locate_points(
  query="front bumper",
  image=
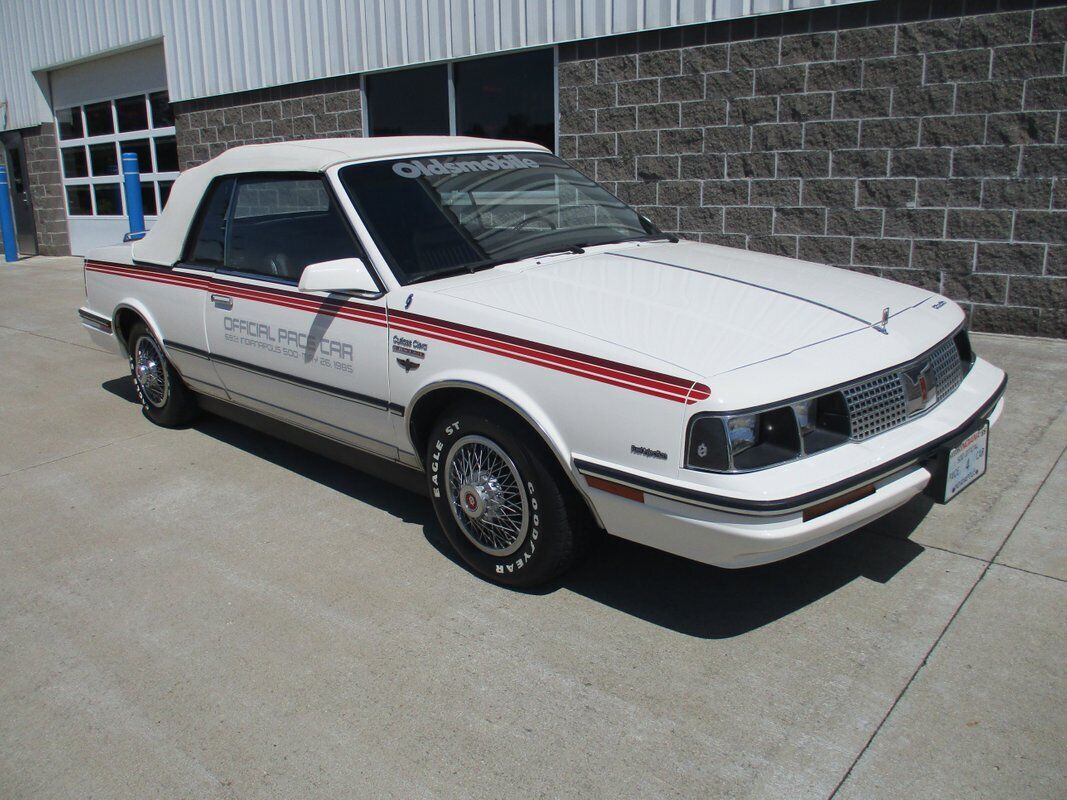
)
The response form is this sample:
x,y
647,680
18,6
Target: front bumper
x,y
739,530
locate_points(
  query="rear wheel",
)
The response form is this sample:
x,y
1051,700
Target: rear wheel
x,y
165,399
505,508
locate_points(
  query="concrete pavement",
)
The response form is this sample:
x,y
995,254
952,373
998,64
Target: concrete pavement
x,y
213,613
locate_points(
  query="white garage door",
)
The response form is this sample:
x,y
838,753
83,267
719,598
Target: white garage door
x,y
105,108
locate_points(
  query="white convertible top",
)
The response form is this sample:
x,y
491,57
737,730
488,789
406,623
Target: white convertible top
x,y
163,244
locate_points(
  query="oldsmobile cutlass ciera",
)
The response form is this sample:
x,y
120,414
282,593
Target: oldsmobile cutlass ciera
x,y
482,312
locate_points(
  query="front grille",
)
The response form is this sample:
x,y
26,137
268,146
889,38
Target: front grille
x,y
879,403
948,369
875,405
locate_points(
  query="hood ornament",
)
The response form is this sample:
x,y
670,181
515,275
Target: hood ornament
x,y
881,326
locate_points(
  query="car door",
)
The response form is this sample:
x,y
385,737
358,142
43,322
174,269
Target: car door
x,y
314,359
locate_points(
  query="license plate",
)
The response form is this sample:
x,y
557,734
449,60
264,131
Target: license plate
x,y
966,462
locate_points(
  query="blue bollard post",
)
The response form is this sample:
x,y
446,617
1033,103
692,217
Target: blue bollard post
x,y
7,222
131,177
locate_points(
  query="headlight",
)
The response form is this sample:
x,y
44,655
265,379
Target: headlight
x,y
749,441
742,432
708,447
805,411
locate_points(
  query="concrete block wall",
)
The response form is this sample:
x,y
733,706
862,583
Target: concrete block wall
x,y
311,110
46,191
922,141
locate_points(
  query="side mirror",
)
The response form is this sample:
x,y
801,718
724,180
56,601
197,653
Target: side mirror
x,y
342,275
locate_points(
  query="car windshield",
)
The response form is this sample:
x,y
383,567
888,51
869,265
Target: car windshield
x,y
438,216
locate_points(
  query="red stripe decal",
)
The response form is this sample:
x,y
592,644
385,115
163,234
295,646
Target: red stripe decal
x,y
538,355
570,362
657,376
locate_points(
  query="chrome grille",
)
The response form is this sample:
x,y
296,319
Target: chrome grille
x,y
948,369
875,405
878,404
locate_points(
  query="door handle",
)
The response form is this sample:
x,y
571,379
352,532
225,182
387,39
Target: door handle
x,y
222,301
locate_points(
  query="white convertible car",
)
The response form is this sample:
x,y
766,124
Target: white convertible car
x,y
482,312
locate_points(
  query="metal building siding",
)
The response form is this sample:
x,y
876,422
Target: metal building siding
x,y
222,46
41,34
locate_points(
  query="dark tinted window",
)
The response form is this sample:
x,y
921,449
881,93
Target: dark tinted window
x,y
14,170
98,119
132,113
166,154
108,199
143,151
506,97
280,225
75,165
408,102
434,215
148,199
209,243
104,159
70,123
162,116
79,201
164,192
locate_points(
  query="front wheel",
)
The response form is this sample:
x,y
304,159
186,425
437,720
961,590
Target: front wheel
x,y
506,509
165,399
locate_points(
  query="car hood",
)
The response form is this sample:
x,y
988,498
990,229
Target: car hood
x,y
705,308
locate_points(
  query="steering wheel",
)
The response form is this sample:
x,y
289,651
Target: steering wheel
x,y
527,220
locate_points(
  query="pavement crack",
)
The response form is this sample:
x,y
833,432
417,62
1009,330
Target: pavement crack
x,y
932,547
72,455
54,339
975,558
1002,565
944,630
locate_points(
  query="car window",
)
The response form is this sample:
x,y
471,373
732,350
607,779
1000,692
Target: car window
x,y
432,216
279,225
264,197
208,246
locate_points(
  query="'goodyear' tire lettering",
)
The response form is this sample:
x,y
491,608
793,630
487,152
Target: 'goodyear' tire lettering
x,y
546,544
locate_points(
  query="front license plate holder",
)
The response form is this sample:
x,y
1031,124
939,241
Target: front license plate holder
x,y
959,463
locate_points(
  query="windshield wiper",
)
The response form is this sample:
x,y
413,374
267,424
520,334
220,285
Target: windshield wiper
x,y
577,249
654,232
478,266
472,267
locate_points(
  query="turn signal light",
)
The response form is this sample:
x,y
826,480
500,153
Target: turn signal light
x,y
615,488
834,503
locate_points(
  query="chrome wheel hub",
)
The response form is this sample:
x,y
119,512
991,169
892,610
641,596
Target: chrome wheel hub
x,y
149,372
486,495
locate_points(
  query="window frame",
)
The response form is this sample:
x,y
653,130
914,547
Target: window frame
x,y
403,282
452,90
449,107
193,234
150,176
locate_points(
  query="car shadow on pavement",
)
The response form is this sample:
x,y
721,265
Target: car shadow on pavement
x,y
713,603
122,387
666,590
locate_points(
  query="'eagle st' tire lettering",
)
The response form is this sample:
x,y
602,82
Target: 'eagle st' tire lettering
x,y
501,502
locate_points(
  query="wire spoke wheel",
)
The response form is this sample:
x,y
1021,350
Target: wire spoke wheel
x,y
149,372
487,496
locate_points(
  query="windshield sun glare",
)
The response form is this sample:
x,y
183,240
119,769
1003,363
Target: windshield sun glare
x,y
440,215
